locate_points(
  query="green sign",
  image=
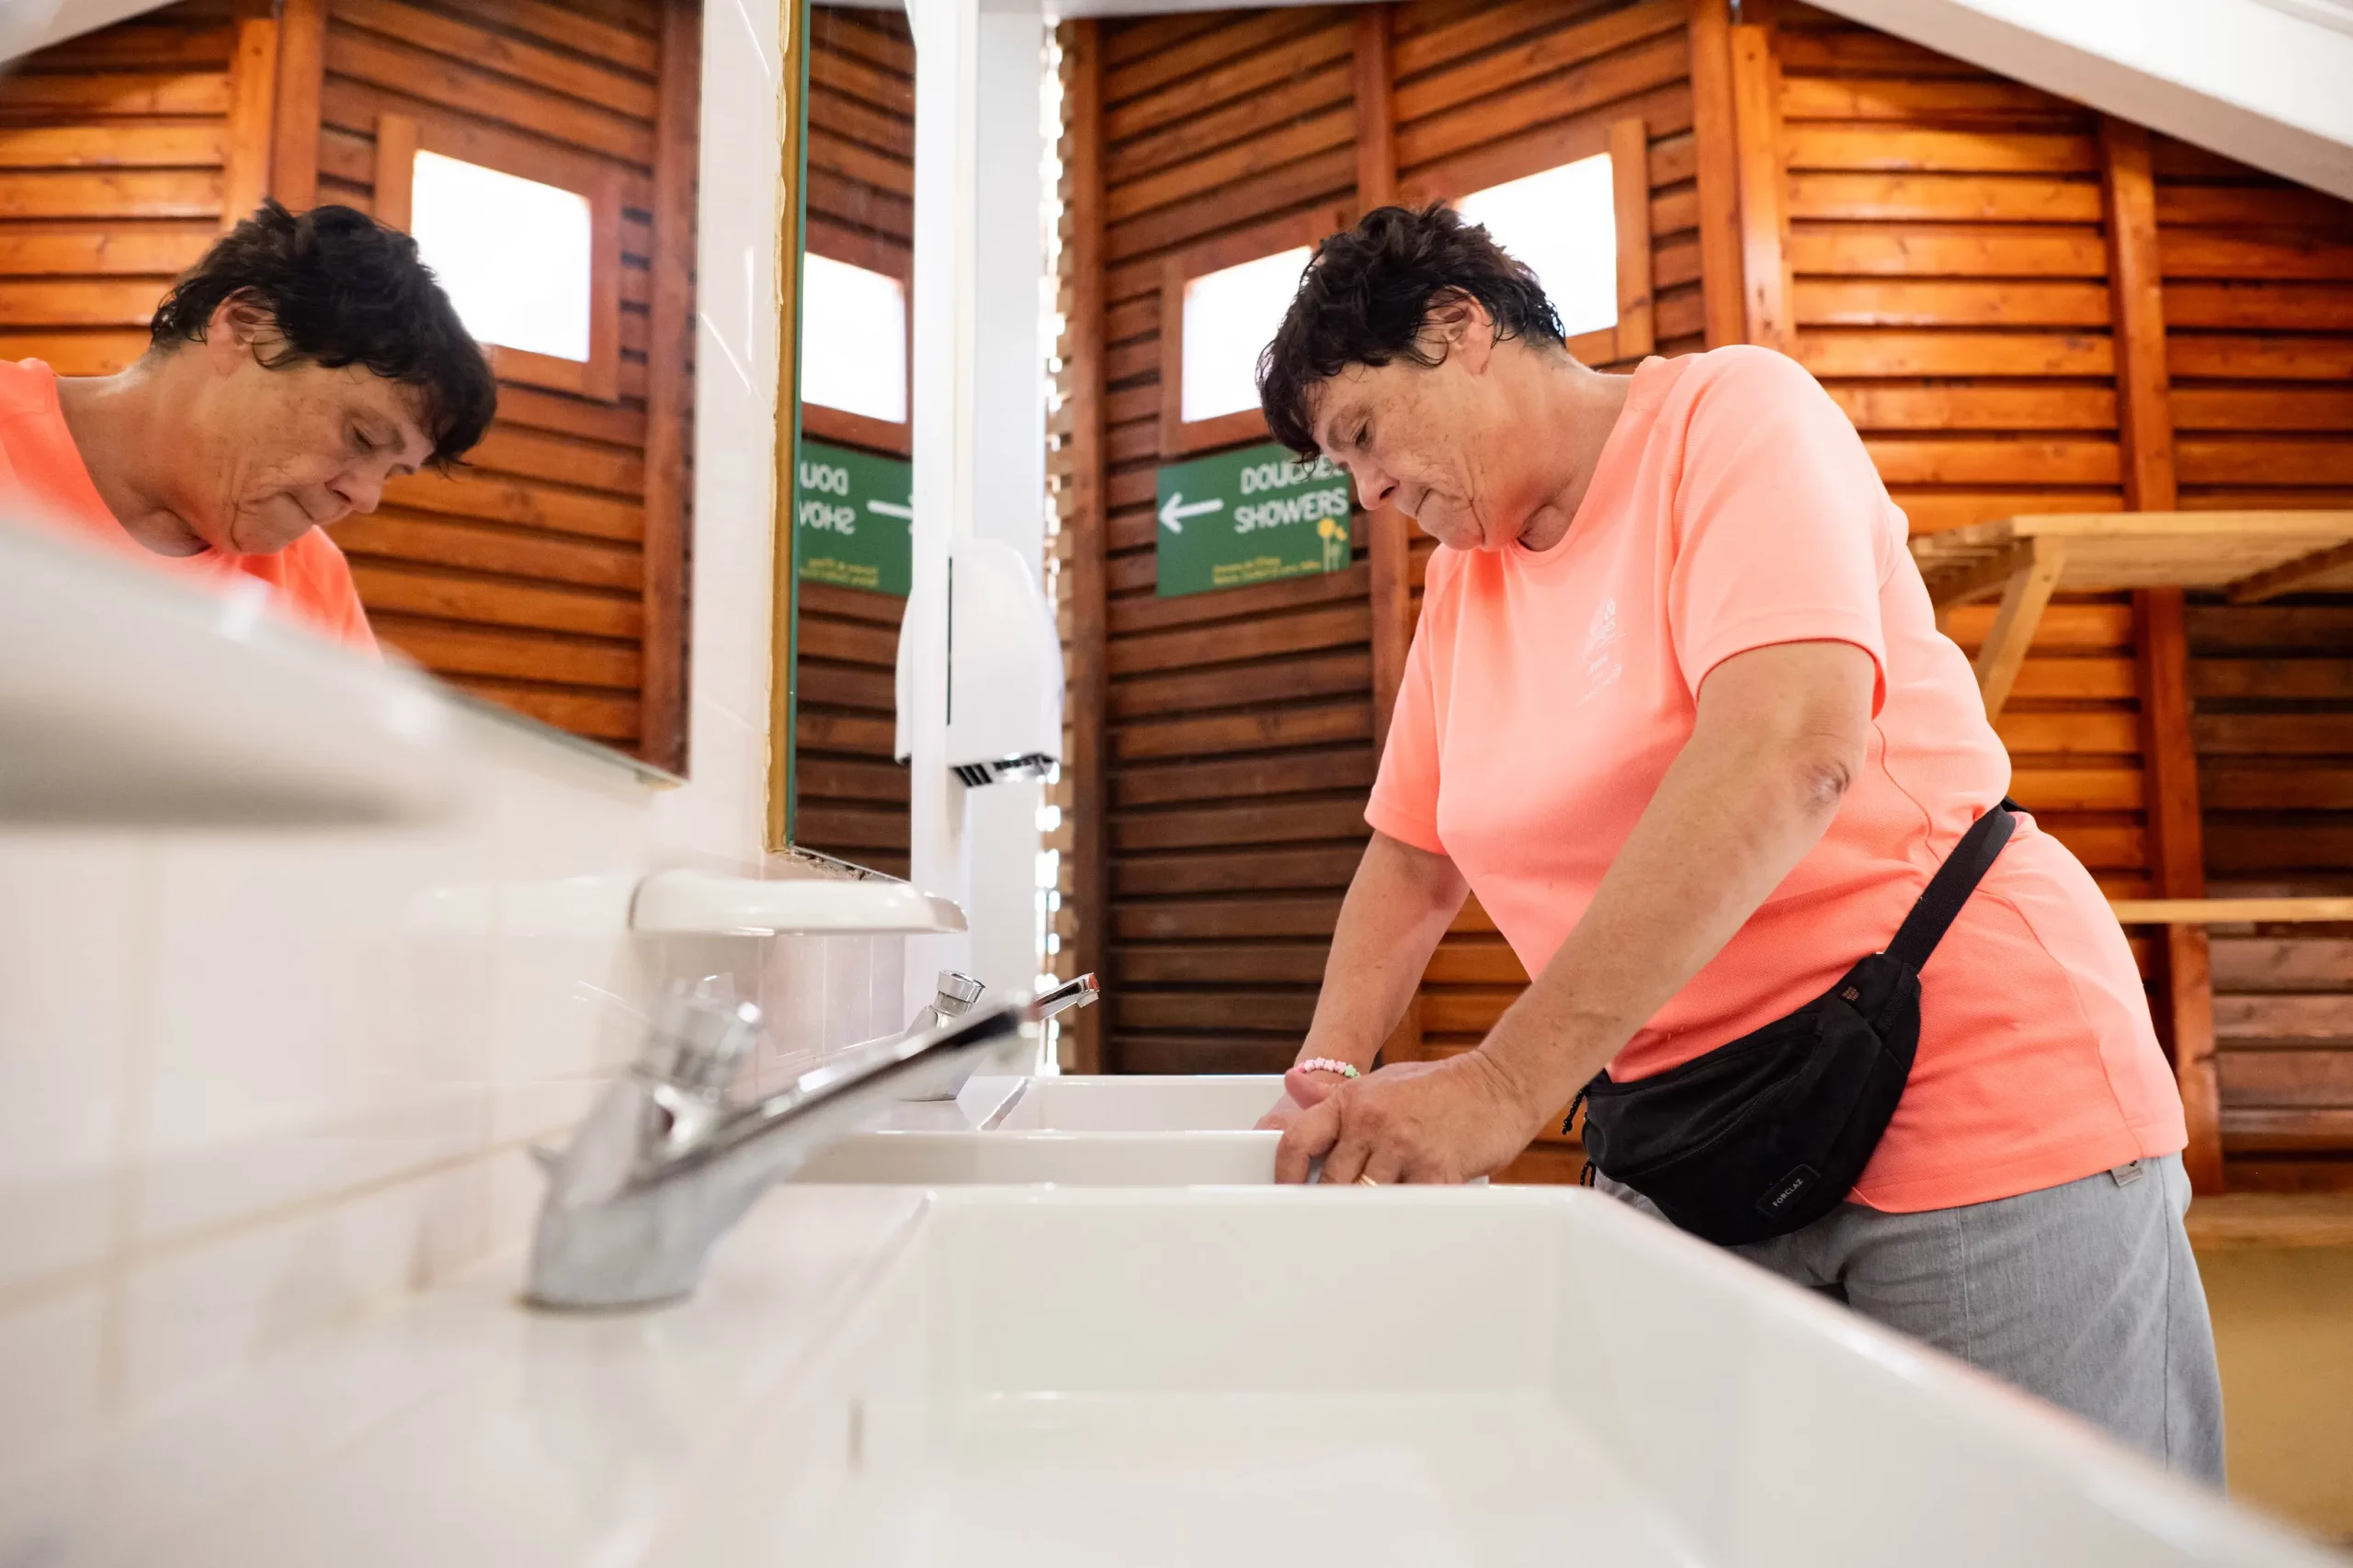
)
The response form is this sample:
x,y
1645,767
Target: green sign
x,y
853,519
1256,515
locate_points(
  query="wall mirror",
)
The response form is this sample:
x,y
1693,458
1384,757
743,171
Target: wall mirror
x,y
544,158
849,565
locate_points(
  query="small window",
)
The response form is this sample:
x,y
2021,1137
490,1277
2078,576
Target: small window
x,y
1230,316
853,339
514,255
526,240
1563,224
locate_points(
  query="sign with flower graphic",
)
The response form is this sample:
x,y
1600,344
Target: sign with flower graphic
x,y
1256,514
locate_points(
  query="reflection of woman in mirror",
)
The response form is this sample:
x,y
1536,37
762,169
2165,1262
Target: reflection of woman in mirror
x,y
300,366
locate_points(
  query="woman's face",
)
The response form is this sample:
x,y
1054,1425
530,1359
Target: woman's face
x,y
277,452
1437,442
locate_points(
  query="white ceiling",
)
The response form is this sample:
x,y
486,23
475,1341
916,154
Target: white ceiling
x,y
28,25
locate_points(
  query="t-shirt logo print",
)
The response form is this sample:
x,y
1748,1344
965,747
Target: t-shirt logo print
x,y
1604,660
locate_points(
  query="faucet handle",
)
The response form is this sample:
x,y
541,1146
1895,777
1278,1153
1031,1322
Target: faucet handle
x,y
957,994
698,1041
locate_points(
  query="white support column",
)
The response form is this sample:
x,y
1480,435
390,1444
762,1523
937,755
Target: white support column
x,y
946,38
1009,467
978,439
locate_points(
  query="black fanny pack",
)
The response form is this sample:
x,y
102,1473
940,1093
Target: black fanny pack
x,y
1769,1133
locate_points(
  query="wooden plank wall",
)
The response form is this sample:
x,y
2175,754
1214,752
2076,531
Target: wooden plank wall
x,y
851,797
2258,303
1238,725
1936,243
550,578
113,155
524,581
1950,288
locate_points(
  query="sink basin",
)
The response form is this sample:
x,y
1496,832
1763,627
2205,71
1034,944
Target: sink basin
x,y
1120,1104
1426,1377
1086,1131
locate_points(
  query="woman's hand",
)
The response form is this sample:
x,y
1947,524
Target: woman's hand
x,y
1418,1121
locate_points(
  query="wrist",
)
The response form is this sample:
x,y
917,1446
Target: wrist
x,y
1327,1065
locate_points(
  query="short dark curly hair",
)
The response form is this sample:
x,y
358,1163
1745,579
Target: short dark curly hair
x,y
344,289
1366,293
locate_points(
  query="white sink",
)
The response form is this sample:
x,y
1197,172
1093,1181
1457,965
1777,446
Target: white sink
x,y
1086,1131
1120,1104
1426,1377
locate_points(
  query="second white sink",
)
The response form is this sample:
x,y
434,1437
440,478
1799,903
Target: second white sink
x,y
1078,1131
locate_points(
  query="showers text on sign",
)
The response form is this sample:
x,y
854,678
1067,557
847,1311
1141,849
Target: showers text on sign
x,y
818,513
1304,508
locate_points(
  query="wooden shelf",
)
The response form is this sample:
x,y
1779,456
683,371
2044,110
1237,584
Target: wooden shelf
x,y
2248,556
2272,1220
2220,911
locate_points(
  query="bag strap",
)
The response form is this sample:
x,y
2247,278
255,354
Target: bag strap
x,y
1950,887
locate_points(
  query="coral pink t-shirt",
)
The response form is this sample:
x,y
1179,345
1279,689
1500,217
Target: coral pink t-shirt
x,y
1734,508
44,481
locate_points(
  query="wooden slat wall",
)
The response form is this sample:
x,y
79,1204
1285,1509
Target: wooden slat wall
x,y
851,797
1237,725
113,149
522,581
1949,267
2258,303
124,152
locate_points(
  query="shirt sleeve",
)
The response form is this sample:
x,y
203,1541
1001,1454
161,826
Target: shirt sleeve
x,y
1783,532
1404,793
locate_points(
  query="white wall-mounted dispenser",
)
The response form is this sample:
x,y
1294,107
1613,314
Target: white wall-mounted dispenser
x,y
1005,668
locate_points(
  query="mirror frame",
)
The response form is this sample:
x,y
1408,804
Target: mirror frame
x,y
793,213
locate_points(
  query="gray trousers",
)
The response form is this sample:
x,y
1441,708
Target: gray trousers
x,y
2086,1294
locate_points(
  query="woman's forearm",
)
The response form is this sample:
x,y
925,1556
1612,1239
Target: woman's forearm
x,y
1399,903
1741,805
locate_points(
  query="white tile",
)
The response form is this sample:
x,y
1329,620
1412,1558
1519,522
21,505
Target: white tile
x,y
50,1366
304,1041
74,982
201,1313
721,815
568,1007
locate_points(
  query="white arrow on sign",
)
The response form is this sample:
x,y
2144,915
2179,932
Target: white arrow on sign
x,y
1173,516
892,509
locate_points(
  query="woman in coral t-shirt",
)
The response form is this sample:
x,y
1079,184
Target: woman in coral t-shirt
x,y
290,374
1677,711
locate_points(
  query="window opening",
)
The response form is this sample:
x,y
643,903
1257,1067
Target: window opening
x,y
1563,224
514,255
853,339
1230,317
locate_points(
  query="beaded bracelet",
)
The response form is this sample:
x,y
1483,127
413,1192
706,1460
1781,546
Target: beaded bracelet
x,y
1325,1064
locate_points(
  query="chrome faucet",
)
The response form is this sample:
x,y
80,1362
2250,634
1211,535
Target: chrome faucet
x,y
956,994
666,1162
